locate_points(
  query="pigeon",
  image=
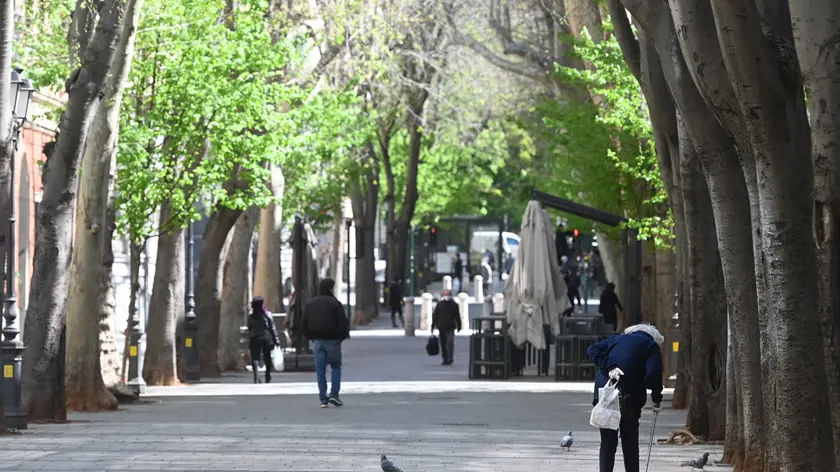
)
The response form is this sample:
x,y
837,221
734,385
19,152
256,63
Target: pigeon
x,y
567,441
388,466
698,463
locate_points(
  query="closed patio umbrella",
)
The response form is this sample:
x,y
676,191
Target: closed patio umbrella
x,y
535,293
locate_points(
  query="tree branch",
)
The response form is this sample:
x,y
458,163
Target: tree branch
x,y
520,68
625,37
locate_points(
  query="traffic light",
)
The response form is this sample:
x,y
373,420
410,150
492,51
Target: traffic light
x,y
576,232
433,236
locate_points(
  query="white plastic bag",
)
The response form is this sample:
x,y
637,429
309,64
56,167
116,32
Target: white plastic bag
x,y
607,413
277,360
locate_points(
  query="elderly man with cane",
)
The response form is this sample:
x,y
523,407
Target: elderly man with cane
x,y
633,362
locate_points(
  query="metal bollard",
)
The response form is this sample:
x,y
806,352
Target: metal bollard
x,y
193,372
135,378
478,287
426,312
11,350
409,316
447,282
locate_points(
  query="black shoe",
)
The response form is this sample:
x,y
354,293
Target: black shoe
x,y
335,401
443,363
268,381
325,405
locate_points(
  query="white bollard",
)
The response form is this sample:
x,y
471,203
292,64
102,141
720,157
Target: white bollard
x,y
409,316
499,303
478,287
488,306
464,308
447,282
499,307
426,312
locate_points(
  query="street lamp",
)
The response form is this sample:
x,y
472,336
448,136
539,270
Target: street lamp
x,y
348,224
193,373
12,347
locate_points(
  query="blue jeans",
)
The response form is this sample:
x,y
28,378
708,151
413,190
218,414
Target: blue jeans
x,y
327,352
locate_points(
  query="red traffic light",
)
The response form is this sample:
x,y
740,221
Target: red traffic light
x,y
434,230
576,232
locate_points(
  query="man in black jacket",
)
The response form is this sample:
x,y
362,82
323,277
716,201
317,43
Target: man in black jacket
x,y
447,319
326,324
396,301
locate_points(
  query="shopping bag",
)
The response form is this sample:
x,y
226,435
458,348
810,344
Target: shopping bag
x,y
433,346
277,360
607,413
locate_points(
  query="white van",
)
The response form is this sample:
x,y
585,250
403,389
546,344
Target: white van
x,y
481,241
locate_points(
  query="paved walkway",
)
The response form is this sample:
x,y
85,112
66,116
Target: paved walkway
x,y
424,416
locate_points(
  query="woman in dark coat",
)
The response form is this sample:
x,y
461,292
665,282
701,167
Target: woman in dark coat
x,y
262,337
609,306
635,361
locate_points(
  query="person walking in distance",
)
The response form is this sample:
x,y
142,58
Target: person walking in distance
x,y
262,337
634,360
446,318
395,299
457,273
325,323
609,306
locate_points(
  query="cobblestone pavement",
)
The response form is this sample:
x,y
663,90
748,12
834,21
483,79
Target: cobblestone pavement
x,y
429,424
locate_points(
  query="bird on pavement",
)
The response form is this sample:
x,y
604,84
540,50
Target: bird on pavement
x,y
388,466
567,441
698,463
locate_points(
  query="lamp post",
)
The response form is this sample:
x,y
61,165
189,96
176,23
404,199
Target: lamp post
x,y
135,378
193,373
11,346
349,225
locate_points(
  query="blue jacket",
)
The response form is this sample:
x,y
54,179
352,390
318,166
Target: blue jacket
x,y
638,356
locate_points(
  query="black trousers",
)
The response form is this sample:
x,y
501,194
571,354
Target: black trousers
x,y
397,310
447,344
629,428
260,348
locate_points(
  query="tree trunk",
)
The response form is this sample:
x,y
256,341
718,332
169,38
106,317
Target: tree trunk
x,y
649,294
815,27
208,287
665,276
165,306
641,55
43,389
733,448
366,308
399,227
730,200
87,299
707,409
268,280
771,96
235,293
110,355
364,214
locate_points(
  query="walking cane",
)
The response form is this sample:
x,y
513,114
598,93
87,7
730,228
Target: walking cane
x,y
650,443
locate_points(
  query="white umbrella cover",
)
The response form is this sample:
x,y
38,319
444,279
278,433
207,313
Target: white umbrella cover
x,y
533,291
